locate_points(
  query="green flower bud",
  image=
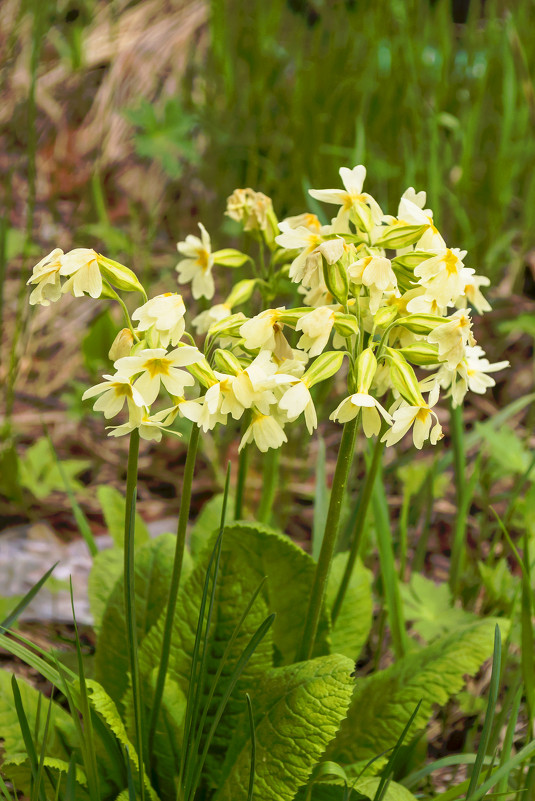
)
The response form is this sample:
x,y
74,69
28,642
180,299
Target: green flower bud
x,y
228,257
421,353
384,316
203,373
226,362
345,324
122,344
228,326
411,260
337,280
118,275
366,369
403,378
323,367
421,323
400,236
241,292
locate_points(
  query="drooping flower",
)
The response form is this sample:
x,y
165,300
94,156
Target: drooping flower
x,y
296,400
46,275
197,267
151,427
265,430
163,316
452,337
81,265
316,327
420,418
368,405
444,276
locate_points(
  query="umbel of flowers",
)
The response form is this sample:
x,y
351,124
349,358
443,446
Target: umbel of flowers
x,y
382,298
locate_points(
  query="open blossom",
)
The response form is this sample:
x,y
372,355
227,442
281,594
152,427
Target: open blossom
x,y
473,294
452,337
472,373
159,367
46,275
197,267
265,430
114,391
265,331
297,400
420,418
163,315
444,275
368,405
410,211
376,273
316,327
206,411
308,263
356,205
82,266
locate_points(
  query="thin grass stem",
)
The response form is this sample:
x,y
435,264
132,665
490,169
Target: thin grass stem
x,y
270,476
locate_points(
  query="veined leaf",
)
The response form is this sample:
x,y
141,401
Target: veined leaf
x,y
334,790
112,503
18,770
430,607
154,563
106,569
297,710
354,621
384,701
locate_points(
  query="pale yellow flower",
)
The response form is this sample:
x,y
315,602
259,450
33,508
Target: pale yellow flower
x,y
163,316
151,427
159,367
113,394
82,266
46,274
316,327
368,405
452,337
197,267
265,431
356,205
420,418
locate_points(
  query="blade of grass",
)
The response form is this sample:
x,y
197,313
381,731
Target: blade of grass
x,y
70,782
509,737
26,736
250,790
28,598
393,759
489,715
270,480
41,766
321,499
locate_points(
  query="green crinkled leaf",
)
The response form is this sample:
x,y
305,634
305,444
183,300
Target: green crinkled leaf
x,y
298,710
206,525
107,710
354,621
334,790
106,570
18,770
61,739
112,503
384,702
430,607
153,567
237,582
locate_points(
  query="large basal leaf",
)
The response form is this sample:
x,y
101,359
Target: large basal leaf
x,y
106,570
384,702
153,567
237,582
298,710
206,524
354,620
105,707
430,608
61,739
113,503
360,790
18,770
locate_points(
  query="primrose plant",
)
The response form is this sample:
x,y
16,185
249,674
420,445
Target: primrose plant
x,y
382,303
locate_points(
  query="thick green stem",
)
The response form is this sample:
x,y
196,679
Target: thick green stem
x,y
360,520
240,483
130,597
459,464
270,477
183,518
343,465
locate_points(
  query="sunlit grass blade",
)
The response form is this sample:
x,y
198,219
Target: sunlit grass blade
x,y
6,794
250,789
27,737
509,737
393,759
41,766
414,779
321,499
489,715
28,598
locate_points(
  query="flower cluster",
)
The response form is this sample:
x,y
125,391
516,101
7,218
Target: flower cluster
x,y
386,291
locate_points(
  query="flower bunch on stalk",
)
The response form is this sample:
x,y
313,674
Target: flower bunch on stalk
x,y
383,294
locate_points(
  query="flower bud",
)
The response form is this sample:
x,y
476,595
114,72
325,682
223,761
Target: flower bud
x,y
384,316
366,369
345,324
228,326
400,236
421,353
204,374
118,275
226,362
411,260
403,378
421,323
228,257
323,367
122,345
337,280
241,292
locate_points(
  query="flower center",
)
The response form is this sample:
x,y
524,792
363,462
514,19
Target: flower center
x,y
451,261
203,259
422,414
157,367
